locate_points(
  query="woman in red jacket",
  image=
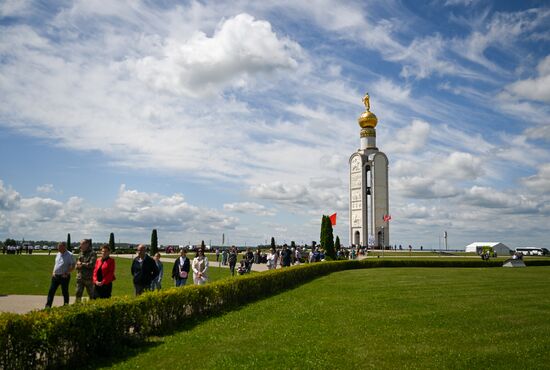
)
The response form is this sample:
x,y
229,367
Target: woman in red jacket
x,y
104,274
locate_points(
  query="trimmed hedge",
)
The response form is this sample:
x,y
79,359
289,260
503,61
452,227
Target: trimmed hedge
x,y
70,335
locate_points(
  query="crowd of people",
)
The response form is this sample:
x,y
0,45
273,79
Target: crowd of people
x,y
96,275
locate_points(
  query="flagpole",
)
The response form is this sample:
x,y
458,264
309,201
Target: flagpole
x,y
383,247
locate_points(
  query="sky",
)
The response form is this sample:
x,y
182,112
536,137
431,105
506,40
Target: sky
x,y
238,118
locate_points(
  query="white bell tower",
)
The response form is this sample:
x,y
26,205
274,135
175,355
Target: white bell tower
x,y
368,187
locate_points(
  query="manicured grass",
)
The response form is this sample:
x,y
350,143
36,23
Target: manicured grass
x,y
376,318
31,274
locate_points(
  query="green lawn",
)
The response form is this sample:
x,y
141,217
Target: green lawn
x,y
375,318
31,274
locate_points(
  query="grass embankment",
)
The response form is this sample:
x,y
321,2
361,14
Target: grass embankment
x,y
31,274
380,318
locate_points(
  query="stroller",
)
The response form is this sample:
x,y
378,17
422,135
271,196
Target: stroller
x,y
243,268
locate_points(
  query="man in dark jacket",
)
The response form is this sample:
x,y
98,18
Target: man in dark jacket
x,y
286,256
144,270
249,256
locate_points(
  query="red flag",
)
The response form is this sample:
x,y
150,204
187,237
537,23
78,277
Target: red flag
x,y
387,218
333,219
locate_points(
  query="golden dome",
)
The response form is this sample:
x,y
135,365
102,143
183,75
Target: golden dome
x,y
367,119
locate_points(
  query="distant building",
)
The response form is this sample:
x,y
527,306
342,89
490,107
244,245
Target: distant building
x,y
477,247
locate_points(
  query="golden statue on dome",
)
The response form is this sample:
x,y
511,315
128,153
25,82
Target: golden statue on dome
x,y
366,101
367,119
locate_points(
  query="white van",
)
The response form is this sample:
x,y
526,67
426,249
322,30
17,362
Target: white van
x,y
530,251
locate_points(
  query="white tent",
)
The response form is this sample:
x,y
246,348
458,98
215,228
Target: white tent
x,y
497,247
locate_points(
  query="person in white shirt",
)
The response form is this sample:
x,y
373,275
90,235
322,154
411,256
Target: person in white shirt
x,y
272,259
200,268
61,275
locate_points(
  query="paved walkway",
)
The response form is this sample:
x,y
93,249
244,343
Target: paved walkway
x,y
16,303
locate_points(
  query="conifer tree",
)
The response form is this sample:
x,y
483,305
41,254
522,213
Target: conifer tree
x,y
329,249
327,237
154,242
69,246
203,247
323,231
112,242
337,245
273,242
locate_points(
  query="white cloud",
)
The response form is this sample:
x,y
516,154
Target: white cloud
x,y
45,189
459,166
387,90
502,30
132,216
491,198
248,207
410,138
537,88
9,198
38,209
280,191
460,2
193,90
539,183
424,187
540,132
241,47
135,209
14,8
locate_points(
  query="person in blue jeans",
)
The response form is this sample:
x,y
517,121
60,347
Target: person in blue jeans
x,y
61,275
156,284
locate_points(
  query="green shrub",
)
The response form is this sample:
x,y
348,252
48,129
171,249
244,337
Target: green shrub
x,y
67,336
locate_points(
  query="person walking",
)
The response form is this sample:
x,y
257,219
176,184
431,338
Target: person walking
x,y
144,270
180,271
224,257
276,259
272,259
200,268
297,256
104,274
85,264
249,257
157,282
286,256
61,275
232,258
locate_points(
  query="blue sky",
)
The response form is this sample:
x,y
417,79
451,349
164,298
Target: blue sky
x,y
203,118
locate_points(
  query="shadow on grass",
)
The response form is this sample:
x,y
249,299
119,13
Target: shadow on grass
x,y
120,354
137,347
